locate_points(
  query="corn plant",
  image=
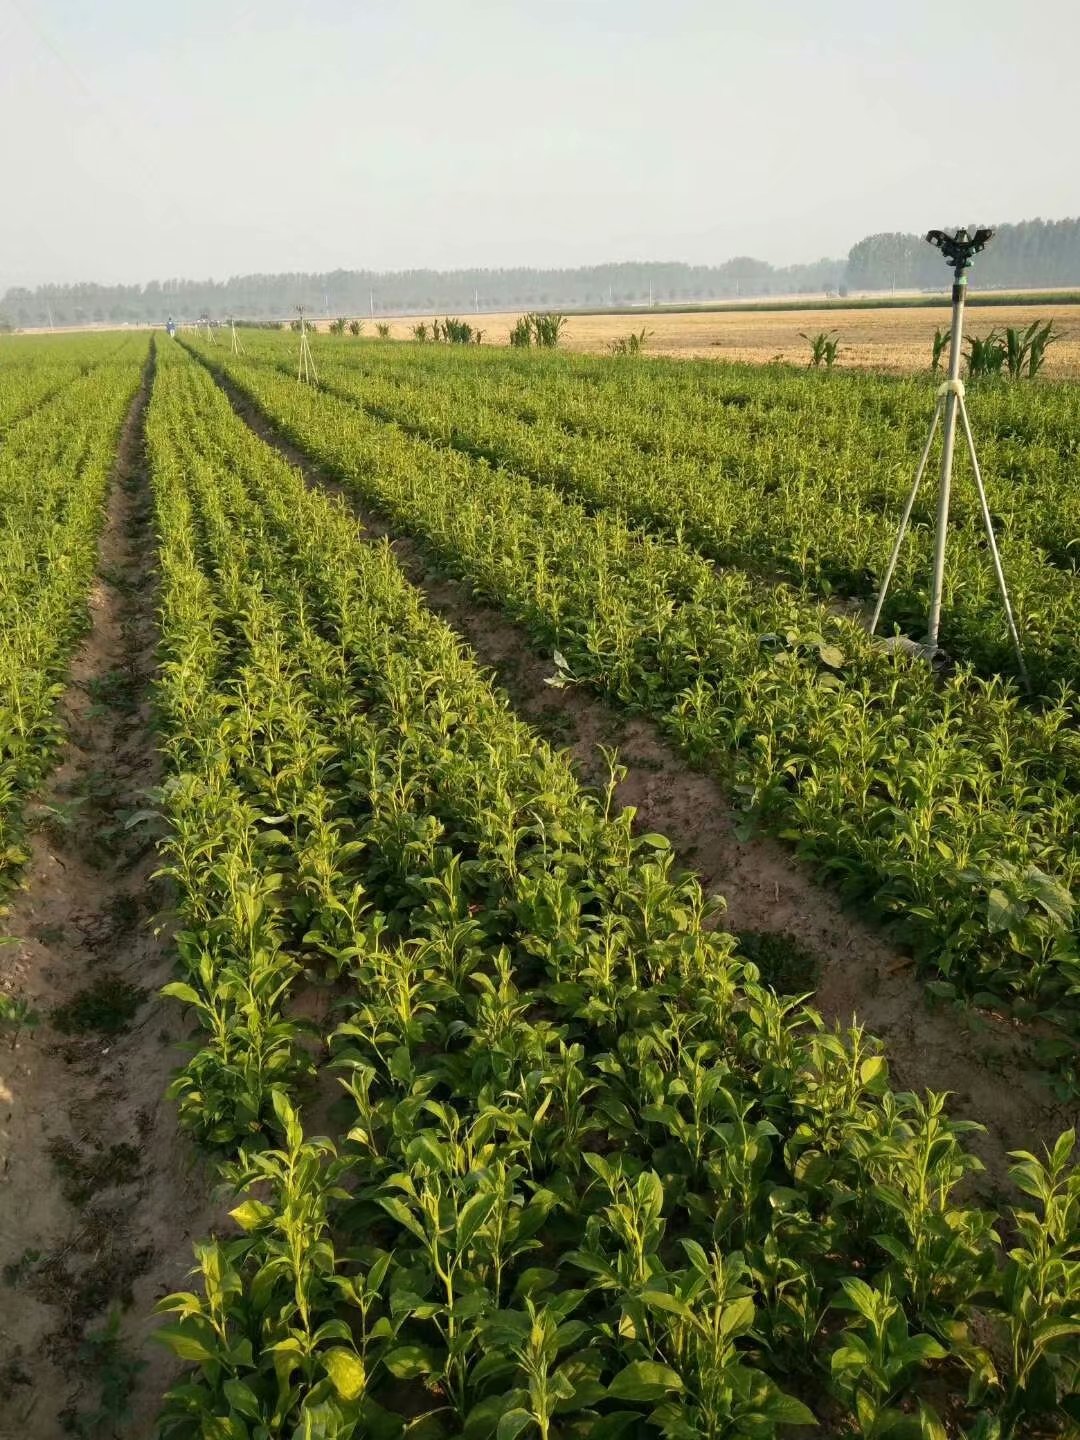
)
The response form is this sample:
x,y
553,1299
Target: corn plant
x,y
987,356
546,329
824,348
940,343
356,327
632,344
382,330
1025,350
453,332
337,327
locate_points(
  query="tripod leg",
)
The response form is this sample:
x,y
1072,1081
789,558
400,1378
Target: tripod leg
x,y
992,540
904,519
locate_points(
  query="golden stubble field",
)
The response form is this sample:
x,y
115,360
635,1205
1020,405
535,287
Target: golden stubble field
x,y
889,339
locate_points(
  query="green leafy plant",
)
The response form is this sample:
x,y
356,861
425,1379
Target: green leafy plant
x,y
987,356
546,329
1041,1291
939,345
586,1168
632,344
876,1352
16,1015
824,348
1025,350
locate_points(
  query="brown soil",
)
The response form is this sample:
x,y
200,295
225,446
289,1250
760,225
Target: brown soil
x,y
886,339
100,1197
985,1062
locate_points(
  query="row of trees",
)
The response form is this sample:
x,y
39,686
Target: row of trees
x,y
364,292
1032,253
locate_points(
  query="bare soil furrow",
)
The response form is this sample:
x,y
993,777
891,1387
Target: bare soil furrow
x,y
100,1197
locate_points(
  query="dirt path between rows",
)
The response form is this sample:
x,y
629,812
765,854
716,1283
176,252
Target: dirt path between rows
x,y
100,1197
984,1061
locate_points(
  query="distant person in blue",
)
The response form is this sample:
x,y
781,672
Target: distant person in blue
x,y
170,327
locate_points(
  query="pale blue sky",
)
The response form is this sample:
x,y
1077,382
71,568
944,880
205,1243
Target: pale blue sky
x,y
142,139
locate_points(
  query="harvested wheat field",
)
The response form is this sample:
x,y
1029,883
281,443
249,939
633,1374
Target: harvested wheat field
x,y
894,339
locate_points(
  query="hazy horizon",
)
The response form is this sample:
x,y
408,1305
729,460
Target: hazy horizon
x,y
242,139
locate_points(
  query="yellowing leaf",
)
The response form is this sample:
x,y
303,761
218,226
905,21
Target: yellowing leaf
x,y
346,1372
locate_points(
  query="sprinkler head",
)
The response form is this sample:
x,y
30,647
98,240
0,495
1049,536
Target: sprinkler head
x,y
961,248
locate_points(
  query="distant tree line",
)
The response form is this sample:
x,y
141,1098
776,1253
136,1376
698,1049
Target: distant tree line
x,y
364,292
1032,253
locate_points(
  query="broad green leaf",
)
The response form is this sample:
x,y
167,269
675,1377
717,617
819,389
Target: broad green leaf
x,y
183,1343
346,1372
178,990
407,1361
737,1317
786,1410
644,1380
251,1214
512,1424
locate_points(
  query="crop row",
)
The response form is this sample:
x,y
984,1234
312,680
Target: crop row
x,y
586,1175
945,804
54,472
32,373
862,431
820,509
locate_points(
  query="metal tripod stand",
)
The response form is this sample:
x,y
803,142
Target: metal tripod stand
x,y
237,346
959,250
307,372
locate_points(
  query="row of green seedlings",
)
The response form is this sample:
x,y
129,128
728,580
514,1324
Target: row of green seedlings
x,y
450,331
1015,352
355,327
593,1175
694,407
25,388
933,801
680,500
853,451
54,473
812,528
341,325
